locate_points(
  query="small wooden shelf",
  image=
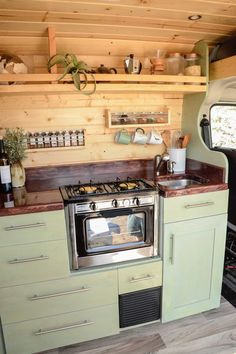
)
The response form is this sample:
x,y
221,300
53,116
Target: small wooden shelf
x,y
47,83
117,120
59,148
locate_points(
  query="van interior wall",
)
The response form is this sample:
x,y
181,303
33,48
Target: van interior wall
x,y
55,112
223,90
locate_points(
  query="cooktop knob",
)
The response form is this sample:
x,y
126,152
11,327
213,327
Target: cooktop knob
x,y
92,206
136,201
114,203
126,202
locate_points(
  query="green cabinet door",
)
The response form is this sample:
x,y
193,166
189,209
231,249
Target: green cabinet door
x,y
193,257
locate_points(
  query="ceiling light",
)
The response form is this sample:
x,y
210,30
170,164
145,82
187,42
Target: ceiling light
x,y
194,17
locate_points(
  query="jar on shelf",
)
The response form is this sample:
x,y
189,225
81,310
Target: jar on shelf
x,y
60,139
32,141
53,138
40,143
192,64
73,137
175,64
46,139
67,141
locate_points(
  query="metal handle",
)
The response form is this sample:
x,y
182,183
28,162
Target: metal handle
x,y
41,331
172,257
189,206
134,280
27,226
40,297
24,260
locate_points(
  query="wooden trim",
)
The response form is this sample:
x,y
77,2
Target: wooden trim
x,y
105,78
52,48
223,68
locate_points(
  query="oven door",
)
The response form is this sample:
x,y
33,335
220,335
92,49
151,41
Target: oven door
x,y
108,231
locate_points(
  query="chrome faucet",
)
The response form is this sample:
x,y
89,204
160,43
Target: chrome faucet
x,y
159,160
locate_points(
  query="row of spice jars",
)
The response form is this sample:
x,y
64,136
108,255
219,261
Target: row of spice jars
x,y
176,64
39,140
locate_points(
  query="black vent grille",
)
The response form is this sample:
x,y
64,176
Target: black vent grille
x,y
139,307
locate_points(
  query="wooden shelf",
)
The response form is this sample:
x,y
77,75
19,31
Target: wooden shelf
x,y
47,83
59,148
223,68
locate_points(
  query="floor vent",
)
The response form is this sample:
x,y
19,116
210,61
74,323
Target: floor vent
x,y
139,307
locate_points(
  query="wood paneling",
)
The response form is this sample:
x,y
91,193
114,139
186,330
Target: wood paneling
x,y
149,19
55,112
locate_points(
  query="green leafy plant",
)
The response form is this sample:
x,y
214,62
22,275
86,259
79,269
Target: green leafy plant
x,y
78,69
14,142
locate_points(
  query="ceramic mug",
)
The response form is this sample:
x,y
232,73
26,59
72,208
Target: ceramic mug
x,y
122,137
139,137
154,138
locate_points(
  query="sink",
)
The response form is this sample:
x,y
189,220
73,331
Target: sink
x,y
181,183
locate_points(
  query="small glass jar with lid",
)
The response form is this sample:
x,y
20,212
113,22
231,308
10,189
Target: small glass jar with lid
x,y
175,64
192,64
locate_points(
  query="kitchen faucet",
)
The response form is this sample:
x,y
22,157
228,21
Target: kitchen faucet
x,y
159,160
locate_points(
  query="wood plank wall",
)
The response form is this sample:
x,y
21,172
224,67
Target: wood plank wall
x,y
38,112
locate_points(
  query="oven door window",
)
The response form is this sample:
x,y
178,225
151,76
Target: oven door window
x,y
111,231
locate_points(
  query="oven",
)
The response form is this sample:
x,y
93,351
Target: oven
x,y
112,226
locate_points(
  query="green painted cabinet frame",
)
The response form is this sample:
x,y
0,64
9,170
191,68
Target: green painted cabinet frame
x,y
193,257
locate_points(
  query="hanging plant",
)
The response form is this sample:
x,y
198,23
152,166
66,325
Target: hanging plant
x,y
78,69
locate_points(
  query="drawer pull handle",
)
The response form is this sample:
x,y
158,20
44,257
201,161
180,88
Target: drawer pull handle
x,y
24,260
27,226
189,206
147,277
41,331
41,297
172,257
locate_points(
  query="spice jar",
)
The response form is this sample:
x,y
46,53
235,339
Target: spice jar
x,y
175,64
192,64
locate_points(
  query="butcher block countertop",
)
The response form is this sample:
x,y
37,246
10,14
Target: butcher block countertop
x,y
42,188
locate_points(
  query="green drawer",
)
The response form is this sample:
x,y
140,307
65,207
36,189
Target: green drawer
x,y
194,206
35,227
29,263
140,277
50,298
52,332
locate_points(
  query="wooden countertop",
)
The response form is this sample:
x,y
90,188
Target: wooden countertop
x,y
33,202
43,193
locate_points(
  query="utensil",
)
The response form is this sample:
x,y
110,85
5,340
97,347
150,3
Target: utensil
x,y
186,140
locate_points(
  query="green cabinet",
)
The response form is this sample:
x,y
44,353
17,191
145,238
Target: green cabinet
x,y
193,256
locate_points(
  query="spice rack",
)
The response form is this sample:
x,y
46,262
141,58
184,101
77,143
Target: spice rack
x,y
137,119
54,140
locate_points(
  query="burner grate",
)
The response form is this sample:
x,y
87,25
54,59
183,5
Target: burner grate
x,y
76,192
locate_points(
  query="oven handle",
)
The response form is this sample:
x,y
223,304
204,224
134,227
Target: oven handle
x,y
116,212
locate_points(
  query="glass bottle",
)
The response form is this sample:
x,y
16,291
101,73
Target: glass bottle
x,y
40,143
80,135
60,139
53,139
67,138
46,140
73,137
5,173
32,141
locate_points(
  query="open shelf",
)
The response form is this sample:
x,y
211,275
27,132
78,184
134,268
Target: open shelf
x,y
52,149
47,83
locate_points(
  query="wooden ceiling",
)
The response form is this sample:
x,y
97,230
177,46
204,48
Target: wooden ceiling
x,y
163,21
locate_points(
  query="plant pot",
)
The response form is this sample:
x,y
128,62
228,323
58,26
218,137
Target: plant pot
x,y
17,174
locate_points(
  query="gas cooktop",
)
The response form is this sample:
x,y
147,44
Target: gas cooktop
x,y
83,191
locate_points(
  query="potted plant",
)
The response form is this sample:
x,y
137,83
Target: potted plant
x,y
78,69
14,141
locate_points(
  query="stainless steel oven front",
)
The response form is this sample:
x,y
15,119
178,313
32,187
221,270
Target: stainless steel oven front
x,y
112,230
